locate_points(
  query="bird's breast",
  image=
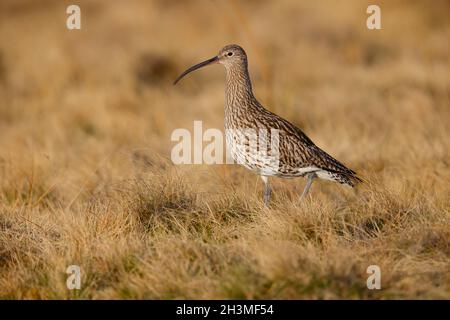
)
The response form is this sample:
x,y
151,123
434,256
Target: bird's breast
x,y
252,147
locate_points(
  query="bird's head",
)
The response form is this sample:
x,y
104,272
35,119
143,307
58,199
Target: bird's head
x,y
232,55
229,56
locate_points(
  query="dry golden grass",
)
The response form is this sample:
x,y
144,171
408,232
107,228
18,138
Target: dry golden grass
x,y
85,175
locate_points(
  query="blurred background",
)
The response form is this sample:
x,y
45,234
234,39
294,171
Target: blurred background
x,y
85,107
83,112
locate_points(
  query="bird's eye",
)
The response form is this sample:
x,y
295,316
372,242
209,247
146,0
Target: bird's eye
x,y
230,54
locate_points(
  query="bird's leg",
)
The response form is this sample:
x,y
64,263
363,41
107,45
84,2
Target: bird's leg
x,y
310,177
267,190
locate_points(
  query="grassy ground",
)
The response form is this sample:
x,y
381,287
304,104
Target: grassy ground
x,y
85,171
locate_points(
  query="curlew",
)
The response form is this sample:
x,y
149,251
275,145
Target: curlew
x,y
290,153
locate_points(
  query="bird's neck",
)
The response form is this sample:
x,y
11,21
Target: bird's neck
x,y
238,92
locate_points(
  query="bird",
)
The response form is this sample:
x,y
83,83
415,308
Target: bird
x,y
291,152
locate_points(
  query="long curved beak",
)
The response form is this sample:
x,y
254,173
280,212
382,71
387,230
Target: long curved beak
x,y
197,66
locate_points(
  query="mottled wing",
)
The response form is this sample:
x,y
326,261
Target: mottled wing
x,y
299,154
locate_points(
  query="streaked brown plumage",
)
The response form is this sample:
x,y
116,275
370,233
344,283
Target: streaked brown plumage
x,y
296,155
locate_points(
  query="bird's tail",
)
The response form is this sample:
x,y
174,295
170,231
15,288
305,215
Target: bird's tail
x,y
350,179
347,178
332,169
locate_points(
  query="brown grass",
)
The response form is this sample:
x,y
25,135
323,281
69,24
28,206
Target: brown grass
x,y
85,124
